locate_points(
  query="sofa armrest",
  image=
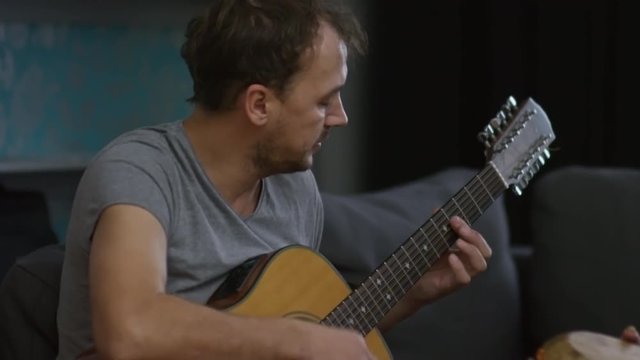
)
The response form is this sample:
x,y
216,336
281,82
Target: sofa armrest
x,y
584,270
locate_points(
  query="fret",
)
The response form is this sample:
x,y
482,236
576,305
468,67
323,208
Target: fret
x,y
393,276
328,321
439,232
447,218
460,209
375,302
356,319
413,265
472,199
363,310
337,316
374,279
426,249
402,268
389,294
485,188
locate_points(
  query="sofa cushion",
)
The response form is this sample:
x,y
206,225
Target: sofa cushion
x,y
28,305
481,321
585,266
24,225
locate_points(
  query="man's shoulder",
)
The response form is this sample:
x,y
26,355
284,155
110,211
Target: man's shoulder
x,y
141,145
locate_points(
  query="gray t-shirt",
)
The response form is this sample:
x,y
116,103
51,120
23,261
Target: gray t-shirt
x,y
155,168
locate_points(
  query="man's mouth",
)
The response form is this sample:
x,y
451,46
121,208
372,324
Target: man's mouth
x,y
323,138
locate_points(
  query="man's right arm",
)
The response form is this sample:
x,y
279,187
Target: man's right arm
x,y
134,318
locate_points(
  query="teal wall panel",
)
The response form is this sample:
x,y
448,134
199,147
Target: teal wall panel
x,y
69,89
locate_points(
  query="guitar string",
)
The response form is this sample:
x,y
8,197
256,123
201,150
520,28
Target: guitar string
x,y
450,209
442,244
443,241
468,203
407,281
363,314
450,206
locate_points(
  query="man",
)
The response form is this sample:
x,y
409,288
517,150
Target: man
x,y
162,214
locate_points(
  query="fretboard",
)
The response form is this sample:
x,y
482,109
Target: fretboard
x,y
365,307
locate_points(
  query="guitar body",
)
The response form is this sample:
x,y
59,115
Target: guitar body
x,y
296,282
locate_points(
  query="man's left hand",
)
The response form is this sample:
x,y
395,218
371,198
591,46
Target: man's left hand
x,y
455,269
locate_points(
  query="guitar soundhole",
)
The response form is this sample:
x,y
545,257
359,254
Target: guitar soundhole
x,y
302,316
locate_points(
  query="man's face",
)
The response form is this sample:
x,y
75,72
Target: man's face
x,y
312,106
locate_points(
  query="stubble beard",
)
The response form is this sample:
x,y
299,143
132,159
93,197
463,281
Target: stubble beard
x,y
268,159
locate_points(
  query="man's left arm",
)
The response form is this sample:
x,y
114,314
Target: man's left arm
x,y
467,258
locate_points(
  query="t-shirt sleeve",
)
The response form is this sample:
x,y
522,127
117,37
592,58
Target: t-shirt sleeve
x,y
131,175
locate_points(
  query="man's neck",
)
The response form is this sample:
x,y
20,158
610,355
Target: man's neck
x,y
222,144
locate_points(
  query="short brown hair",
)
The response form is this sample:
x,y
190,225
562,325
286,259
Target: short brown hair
x,y
241,42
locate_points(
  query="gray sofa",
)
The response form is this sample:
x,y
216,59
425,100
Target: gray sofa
x,y
580,270
583,273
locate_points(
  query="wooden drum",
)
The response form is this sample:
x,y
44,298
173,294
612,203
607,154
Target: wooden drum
x,y
587,345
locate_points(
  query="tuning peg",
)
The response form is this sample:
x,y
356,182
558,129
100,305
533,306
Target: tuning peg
x,y
517,190
497,123
485,139
511,103
502,117
488,133
541,160
490,130
547,154
484,136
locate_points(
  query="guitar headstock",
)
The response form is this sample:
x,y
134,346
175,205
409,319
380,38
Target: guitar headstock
x,y
517,141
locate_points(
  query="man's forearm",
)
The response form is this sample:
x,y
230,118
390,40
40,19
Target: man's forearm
x,y
172,328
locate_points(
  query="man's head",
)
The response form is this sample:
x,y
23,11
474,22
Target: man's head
x,y
243,42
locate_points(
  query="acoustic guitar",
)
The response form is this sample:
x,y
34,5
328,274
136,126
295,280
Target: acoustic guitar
x,y
298,282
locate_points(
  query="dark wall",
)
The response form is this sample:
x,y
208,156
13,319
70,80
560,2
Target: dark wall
x,y
439,74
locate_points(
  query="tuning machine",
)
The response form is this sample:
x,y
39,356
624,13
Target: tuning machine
x,y
529,167
498,124
487,136
505,114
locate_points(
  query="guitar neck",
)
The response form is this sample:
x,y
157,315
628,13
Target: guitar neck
x,y
365,307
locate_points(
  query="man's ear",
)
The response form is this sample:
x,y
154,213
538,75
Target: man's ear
x,y
256,101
